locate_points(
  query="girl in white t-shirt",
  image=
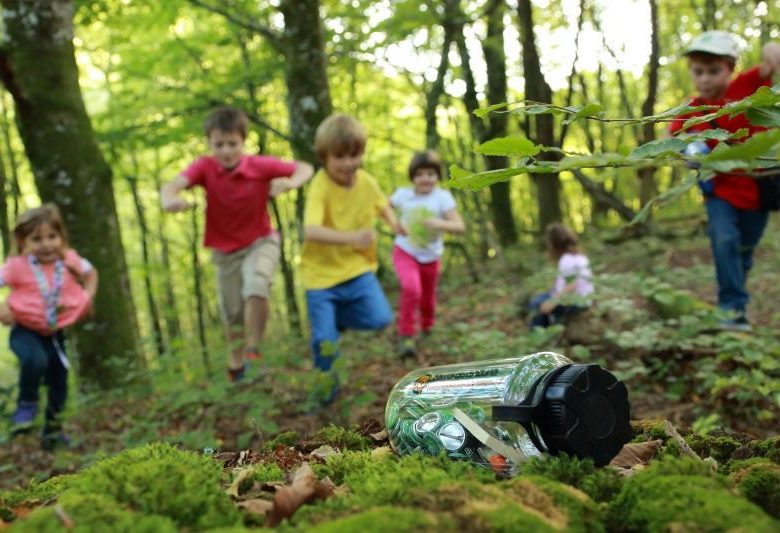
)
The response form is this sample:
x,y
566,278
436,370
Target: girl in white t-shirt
x,y
572,283
426,212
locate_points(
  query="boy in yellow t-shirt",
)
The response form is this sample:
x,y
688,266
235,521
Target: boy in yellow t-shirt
x,y
339,259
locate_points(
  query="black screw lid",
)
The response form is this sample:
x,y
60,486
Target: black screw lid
x,y
584,411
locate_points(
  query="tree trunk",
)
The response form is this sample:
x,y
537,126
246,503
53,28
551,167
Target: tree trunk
x,y
496,93
5,230
437,88
647,185
39,70
548,186
9,152
306,75
200,306
154,312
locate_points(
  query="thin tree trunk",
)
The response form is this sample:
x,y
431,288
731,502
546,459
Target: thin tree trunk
x,y
5,230
647,186
170,313
13,168
541,128
437,88
496,93
200,307
154,313
69,169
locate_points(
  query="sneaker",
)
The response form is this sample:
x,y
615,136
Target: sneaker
x,y
406,347
236,374
52,441
739,323
22,420
326,389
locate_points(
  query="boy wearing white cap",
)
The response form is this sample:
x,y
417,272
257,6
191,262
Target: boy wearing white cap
x,y
736,218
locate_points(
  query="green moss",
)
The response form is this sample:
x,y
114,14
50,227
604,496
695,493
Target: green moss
x,y
582,513
649,429
510,517
342,438
285,439
159,479
36,492
265,473
769,448
673,495
92,512
600,484
759,481
386,520
719,447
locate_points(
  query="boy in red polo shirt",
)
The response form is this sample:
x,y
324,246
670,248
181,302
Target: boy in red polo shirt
x,y
735,219
238,228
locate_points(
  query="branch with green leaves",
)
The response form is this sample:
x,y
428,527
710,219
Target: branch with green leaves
x,y
758,155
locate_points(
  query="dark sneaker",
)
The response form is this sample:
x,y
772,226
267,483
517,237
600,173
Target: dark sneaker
x,y
407,347
739,323
52,441
23,418
236,374
326,389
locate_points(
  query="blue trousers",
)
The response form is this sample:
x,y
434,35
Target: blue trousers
x,y
358,303
40,362
734,234
556,316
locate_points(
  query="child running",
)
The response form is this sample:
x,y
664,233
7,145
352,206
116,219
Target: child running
x,y
245,247
426,211
572,283
52,287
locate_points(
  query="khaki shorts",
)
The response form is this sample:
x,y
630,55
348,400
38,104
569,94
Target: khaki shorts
x,y
244,273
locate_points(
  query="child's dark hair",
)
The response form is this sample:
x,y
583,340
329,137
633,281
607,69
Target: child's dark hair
x,y
708,58
31,219
227,119
425,159
560,240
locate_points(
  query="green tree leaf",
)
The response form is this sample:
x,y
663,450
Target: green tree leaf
x,y
658,147
509,146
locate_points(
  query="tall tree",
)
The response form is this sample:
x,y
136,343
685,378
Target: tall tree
x,y
496,93
539,128
647,185
38,68
302,45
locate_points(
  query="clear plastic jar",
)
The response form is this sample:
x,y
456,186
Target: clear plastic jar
x,y
500,412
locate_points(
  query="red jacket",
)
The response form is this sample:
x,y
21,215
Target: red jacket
x,y
736,188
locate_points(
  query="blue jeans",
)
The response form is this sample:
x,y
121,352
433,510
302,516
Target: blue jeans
x,y
39,361
556,316
358,303
734,234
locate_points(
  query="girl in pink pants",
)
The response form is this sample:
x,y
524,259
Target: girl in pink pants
x,y
426,212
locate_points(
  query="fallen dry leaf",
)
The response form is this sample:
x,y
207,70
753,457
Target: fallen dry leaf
x,y
324,451
234,489
379,436
257,506
303,488
684,448
636,453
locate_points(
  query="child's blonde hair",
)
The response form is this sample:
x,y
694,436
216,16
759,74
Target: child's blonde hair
x,y
32,219
339,135
560,240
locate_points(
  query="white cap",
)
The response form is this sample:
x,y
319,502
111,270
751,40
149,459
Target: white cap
x,y
716,42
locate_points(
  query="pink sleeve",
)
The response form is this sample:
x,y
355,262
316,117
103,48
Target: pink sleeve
x,y
76,262
268,168
196,172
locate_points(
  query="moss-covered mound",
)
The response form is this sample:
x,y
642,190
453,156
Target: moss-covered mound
x,y
160,488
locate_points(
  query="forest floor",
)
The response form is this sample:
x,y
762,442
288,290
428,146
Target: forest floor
x,y
652,325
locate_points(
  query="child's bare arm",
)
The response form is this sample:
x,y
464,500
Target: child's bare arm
x,y
359,239
388,215
451,223
770,60
303,173
6,315
91,282
169,195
